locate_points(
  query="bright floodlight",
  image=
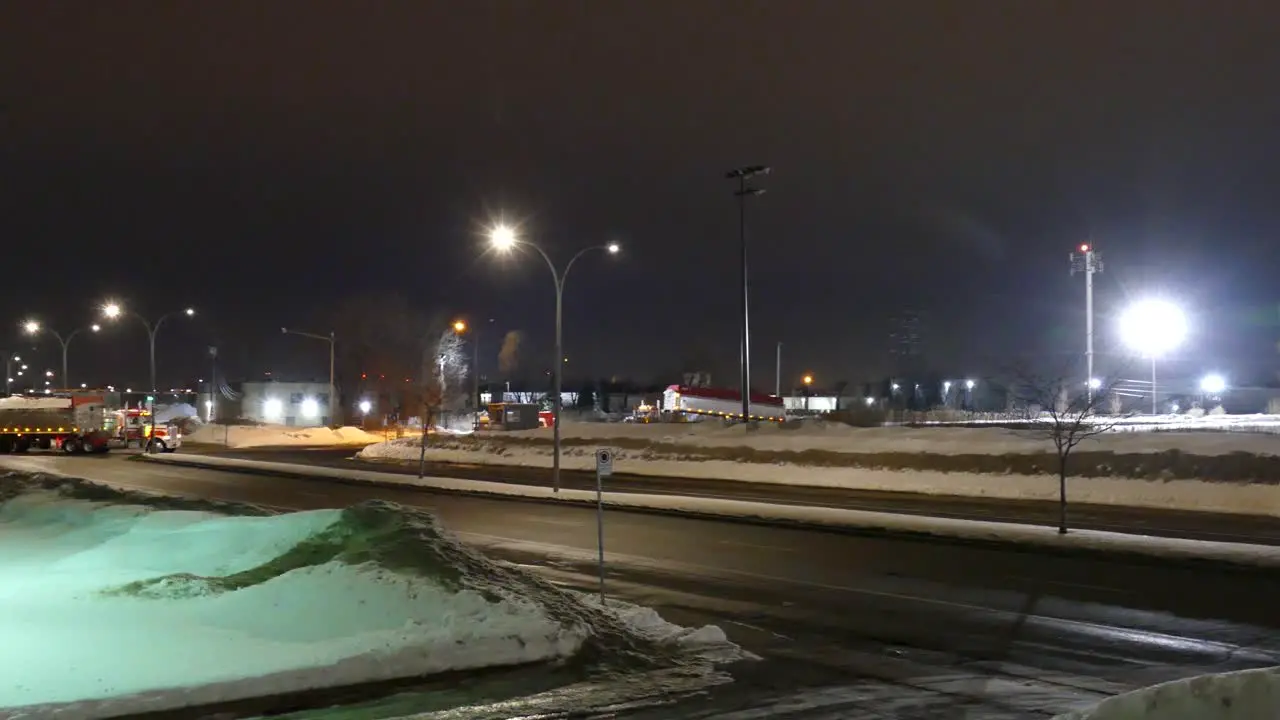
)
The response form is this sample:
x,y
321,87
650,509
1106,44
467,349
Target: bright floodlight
x,y
31,326
190,311
613,248
1213,384
95,327
272,408
968,384
1153,327
503,237
111,310
365,407
310,408
1095,383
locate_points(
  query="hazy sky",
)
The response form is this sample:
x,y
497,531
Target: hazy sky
x,y
261,160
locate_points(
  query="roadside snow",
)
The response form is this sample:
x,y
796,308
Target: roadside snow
x,y
247,436
1244,695
1040,536
122,609
1242,498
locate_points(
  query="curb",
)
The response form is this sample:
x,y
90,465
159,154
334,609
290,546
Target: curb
x,y
1268,565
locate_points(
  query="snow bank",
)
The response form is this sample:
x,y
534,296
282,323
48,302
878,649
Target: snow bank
x,y
113,609
1266,556
177,411
246,436
1245,695
1154,488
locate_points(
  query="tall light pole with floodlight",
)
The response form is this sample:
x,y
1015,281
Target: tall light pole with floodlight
x,y
332,340
504,239
743,192
32,327
9,359
1088,261
1153,328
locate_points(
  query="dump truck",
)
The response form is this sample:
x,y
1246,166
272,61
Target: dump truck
x,y
70,424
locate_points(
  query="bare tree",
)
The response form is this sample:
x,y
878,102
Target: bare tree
x,y
1064,417
443,385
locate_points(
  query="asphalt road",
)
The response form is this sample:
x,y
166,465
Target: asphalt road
x,y
847,626
1168,523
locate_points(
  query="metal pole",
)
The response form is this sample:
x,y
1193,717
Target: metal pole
x,y
333,400
555,400
1155,406
777,373
66,382
1088,332
600,530
475,369
746,323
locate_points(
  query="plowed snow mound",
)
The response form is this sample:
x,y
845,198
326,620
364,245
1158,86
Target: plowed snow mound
x,y
118,604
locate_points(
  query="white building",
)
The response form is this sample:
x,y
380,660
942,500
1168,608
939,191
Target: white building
x,y
302,404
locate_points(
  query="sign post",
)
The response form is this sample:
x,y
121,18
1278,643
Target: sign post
x,y
604,468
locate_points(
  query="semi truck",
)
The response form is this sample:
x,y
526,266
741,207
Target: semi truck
x,y
78,423
681,402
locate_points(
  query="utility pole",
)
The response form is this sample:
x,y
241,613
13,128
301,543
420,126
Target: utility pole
x,y
777,373
332,339
744,191
1088,261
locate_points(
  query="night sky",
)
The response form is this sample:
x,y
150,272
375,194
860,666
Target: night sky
x,y
263,161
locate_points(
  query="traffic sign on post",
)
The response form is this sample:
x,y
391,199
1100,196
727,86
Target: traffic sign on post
x,y
604,462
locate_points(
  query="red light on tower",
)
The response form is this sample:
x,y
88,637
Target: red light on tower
x,y
1084,248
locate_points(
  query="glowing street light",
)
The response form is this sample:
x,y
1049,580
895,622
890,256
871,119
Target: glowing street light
x,y
1213,384
1153,328
113,311
505,239
807,379
459,326
33,327
1095,383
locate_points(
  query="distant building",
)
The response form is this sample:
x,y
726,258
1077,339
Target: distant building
x,y
907,333
300,404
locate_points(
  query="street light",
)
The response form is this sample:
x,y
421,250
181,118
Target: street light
x,y
331,339
1153,328
113,310
504,239
33,327
1213,384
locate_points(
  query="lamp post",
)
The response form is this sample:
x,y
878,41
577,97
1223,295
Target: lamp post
x,y
112,311
33,327
9,360
1153,328
332,340
504,239
808,382
743,192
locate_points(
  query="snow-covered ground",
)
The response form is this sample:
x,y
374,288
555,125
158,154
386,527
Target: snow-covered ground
x,y
248,436
1031,535
1245,695
116,606
714,451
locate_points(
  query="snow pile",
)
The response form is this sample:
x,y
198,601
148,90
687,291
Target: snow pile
x,y
20,402
158,609
1244,695
247,436
177,411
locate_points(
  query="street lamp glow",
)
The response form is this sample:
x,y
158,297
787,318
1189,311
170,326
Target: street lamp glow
x,y
1213,384
95,327
807,380
31,327
968,384
613,248
111,310
502,237
190,312
1153,327
1095,383
459,326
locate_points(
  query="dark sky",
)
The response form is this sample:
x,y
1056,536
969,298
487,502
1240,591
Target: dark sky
x,y
262,161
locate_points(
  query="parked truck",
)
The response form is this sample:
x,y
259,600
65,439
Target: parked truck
x,y
79,423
